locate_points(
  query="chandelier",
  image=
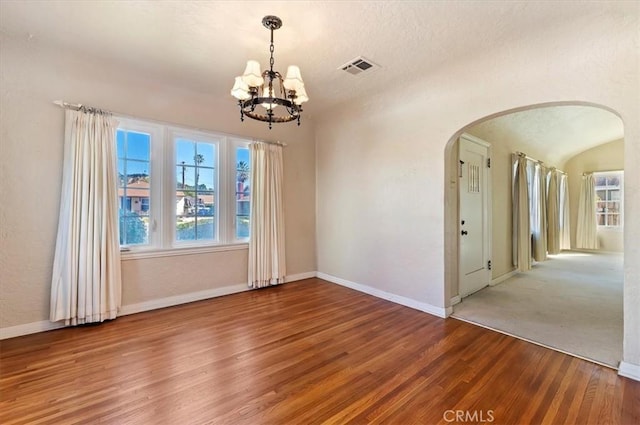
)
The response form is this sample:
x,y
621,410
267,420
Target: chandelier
x,y
265,96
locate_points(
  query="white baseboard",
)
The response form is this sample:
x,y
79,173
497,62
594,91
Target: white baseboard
x,y
629,370
45,325
300,276
29,328
502,278
455,300
398,299
181,299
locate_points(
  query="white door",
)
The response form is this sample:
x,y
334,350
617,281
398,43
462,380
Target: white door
x,y
475,214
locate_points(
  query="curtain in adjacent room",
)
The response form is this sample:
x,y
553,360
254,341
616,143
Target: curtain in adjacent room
x,y
539,213
86,281
586,229
565,229
521,233
553,213
266,240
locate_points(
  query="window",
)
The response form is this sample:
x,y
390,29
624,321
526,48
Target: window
x,y
181,188
133,186
243,192
609,198
195,190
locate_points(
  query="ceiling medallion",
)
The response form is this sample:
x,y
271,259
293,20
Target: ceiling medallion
x,y
265,96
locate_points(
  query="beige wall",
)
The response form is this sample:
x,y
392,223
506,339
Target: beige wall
x,y
31,173
606,157
381,160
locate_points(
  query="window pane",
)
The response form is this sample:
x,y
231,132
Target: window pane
x,y
195,185
205,154
205,178
186,177
613,181
121,173
133,186
205,228
185,152
185,228
614,194
613,207
601,221
242,227
601,181
601,195
138,145
243,192
613,220
120,134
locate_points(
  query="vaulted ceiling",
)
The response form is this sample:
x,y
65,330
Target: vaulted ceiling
x,y
202,45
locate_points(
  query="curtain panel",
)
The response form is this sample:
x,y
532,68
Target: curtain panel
x,y
553,213
267,265
521,233
539,213
86,279
587,226
565,228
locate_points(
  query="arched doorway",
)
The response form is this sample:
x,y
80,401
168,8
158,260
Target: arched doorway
x,y
543,122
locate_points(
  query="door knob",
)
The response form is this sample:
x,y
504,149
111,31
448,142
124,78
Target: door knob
x,y
464,232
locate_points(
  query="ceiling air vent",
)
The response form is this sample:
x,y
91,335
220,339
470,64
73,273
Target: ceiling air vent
x,y
358,65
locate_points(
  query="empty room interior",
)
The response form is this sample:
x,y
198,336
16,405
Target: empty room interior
x,y
271,212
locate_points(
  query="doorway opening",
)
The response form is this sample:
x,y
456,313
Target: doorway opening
x,y
584,311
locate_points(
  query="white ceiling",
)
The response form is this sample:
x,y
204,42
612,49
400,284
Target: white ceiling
x,y
202,45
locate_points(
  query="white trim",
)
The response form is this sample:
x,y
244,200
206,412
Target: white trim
x,y
455,300
136,255
299,276
182,299
45,325
398,299
629,370
29,328
503,277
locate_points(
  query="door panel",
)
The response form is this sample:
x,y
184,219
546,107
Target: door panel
x,y
474,216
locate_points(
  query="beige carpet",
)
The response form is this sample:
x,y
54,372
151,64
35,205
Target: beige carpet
x,y
571,302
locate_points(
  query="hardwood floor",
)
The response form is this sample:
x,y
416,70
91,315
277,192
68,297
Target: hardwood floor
x,y
302,353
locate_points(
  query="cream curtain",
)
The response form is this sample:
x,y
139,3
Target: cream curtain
x,y
539,214
553,213
86,282
586,229
266,241
520,209
565,229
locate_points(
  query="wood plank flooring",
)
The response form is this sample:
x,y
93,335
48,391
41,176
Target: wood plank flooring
x,y
308,352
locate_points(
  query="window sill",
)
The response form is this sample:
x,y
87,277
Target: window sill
x,y
173,252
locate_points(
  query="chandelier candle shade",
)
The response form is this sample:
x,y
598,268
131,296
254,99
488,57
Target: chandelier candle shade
x,y
280,100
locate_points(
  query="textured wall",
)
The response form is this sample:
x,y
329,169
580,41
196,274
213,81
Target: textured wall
x,y
32,131
381,161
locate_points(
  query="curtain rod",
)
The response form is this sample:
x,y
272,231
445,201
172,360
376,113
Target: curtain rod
x,y
277,143
537,161
603,171
78,106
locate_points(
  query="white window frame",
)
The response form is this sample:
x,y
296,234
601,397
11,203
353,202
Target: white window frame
x,y
234,144
162,176
620,175
216,140
155,179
